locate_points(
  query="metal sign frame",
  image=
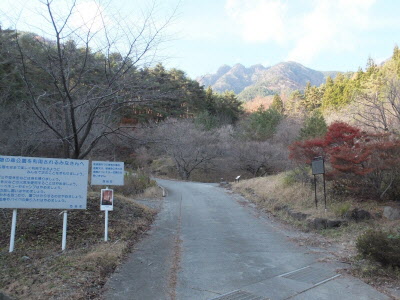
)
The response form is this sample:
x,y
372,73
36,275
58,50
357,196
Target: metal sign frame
x,y
318,167
42,183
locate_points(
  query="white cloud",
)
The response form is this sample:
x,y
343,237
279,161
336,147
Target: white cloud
x,y
258,20
331,25
323,25
89,15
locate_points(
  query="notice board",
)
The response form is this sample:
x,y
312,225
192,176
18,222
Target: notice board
x,y
34,182
107,173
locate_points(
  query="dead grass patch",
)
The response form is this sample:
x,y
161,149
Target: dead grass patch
x,y
274,192
37,269
271,192
152,192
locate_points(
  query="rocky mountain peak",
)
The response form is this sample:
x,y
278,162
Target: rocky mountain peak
x,y
258,80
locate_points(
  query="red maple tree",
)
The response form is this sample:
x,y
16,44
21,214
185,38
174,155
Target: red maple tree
x,y
362,162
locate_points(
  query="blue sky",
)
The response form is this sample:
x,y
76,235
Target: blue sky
x,y
320,34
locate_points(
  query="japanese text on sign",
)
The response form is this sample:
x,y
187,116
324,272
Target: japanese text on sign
x,y
33,182
107,173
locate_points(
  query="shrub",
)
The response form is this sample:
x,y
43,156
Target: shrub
x,y
299,174
289,179
380,246
135,183
341,209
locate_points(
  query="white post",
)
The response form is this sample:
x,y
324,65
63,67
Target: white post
x,y
106,226
64,235
13,226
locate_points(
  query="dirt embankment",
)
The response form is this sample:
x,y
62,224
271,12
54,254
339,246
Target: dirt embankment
x,y
38,269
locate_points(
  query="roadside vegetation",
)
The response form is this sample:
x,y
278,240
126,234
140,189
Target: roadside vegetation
x,y
352,122
38,269
83,100
368,240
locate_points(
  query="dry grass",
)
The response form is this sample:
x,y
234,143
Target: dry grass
x,y
272,192
152,192
275,191
37,269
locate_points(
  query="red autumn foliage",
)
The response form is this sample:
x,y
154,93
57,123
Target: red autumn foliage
x,y
358,160
340,133
305,151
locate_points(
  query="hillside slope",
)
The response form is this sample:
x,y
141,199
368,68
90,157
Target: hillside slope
x,y
262,81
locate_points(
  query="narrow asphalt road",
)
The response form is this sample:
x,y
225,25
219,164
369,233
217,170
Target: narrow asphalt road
x,y
206,245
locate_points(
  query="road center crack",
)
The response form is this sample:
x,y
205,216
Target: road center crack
x,y
176,256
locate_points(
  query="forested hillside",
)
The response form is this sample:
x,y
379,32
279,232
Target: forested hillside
x,y
61,98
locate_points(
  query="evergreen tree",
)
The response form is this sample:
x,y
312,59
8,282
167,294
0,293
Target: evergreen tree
x,y
392,67
210,101
371,66
312,97
261,125
219,109
277,104
314,126
228,108
294,102
336,95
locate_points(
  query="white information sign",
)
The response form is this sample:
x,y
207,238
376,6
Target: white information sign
x,y
34,182
107,173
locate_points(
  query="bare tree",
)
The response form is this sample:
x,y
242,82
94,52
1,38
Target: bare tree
x,y
259,158
372,111
78,78
393,98
20,133
379,108
254,157
189,147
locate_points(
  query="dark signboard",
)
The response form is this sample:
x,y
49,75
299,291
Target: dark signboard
x,y
317,166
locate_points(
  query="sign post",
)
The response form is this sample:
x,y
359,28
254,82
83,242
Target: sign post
x,y
106,226
315,191
43,183
13,227
107,173
64,235
106,204
324,191
318,167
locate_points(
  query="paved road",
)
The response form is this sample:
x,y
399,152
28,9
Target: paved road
x,y
206,245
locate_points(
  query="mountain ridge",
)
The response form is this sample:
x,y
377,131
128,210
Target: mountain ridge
x,y
258,80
